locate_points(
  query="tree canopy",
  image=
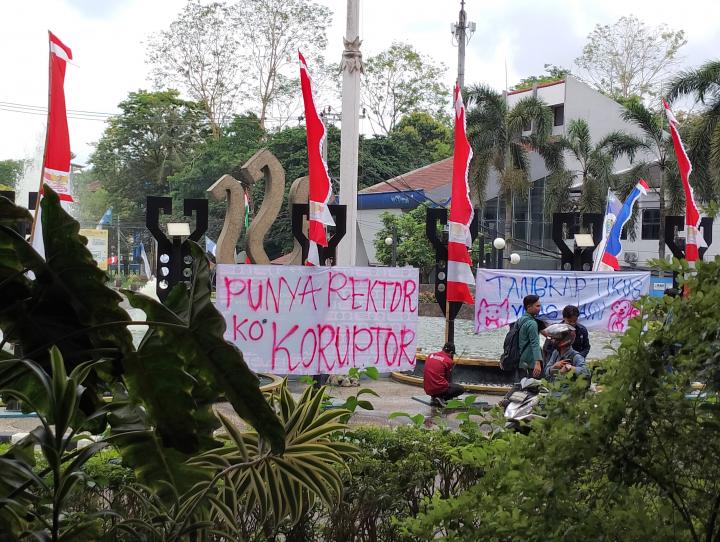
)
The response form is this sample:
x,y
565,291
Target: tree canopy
x,y
398,81
629,57
552,73
152,138
11,171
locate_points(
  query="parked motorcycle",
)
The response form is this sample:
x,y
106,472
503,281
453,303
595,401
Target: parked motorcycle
x,y
520,404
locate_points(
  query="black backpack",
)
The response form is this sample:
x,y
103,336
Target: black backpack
x,y
510,358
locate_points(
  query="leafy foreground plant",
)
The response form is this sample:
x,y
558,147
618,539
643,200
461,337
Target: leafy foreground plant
x,y
37,500
640,460
161,413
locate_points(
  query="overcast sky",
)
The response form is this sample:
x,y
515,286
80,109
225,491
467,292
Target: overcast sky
x,y
107,39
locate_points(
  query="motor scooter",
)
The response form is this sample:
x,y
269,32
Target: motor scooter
x,y
520,404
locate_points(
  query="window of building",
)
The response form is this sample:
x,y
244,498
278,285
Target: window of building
x,y
527,126
558,115
650,224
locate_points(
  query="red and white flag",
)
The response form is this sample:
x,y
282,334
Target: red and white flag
x,y
56,160
692,215
320,191
460,275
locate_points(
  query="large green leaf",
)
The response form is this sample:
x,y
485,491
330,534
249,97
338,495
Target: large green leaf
x,y
160,376
65,304
210,359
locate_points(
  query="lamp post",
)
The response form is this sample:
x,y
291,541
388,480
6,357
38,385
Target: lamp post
x,y
499,245
392,242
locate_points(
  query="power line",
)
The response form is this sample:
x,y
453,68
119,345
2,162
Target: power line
x,y
79,114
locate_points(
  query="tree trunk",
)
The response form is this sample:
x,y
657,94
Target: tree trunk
x,y
661,207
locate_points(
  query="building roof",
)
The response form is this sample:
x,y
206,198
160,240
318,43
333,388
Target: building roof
x,y
426,178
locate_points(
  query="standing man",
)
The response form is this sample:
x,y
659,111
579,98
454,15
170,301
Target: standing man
x,y
582,339
529,340
437,376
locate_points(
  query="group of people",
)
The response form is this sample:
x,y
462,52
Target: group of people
x,y
562,354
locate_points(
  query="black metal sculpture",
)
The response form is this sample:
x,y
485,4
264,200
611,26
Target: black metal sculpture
x,y
578,259
327,254
173,260
435,216
674,224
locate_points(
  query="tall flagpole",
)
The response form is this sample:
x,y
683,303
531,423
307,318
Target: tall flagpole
x,y
351,66
47,135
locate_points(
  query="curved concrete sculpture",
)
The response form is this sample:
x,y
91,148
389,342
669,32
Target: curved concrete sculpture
x,y
263,165
228,188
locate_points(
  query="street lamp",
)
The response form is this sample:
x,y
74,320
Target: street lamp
x,y
499,244
392,242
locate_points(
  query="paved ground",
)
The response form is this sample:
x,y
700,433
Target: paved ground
x,y
394,397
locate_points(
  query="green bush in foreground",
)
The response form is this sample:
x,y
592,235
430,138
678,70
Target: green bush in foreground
x,y
639,460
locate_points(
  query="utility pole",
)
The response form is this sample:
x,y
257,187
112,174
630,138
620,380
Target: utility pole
x,y
117,263
462,31
351,66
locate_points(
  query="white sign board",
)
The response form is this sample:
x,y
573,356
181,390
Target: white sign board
x,y
312,320
605,300
97,245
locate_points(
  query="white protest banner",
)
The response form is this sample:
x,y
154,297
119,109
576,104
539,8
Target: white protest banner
x,y
310,320
604,299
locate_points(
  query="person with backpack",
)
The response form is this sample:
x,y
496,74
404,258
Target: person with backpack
x,y
530,361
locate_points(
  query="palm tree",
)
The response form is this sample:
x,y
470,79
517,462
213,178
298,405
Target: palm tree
x,y
595,168
495,132
703,136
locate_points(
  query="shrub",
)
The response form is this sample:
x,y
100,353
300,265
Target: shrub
x,y
640,460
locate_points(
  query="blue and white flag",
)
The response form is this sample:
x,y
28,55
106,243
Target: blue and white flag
x,y
612,209
106,220
609,258
210,246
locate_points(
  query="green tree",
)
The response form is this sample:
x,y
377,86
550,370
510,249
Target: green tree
x,y
213,158
418,140
552,73
11,171
593,174
413,248
200,54
152,138
399,81
272,31
637,460
91,197
501,143
628,57
703,135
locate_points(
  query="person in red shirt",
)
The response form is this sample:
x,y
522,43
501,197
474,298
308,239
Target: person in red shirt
x,y
437,376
